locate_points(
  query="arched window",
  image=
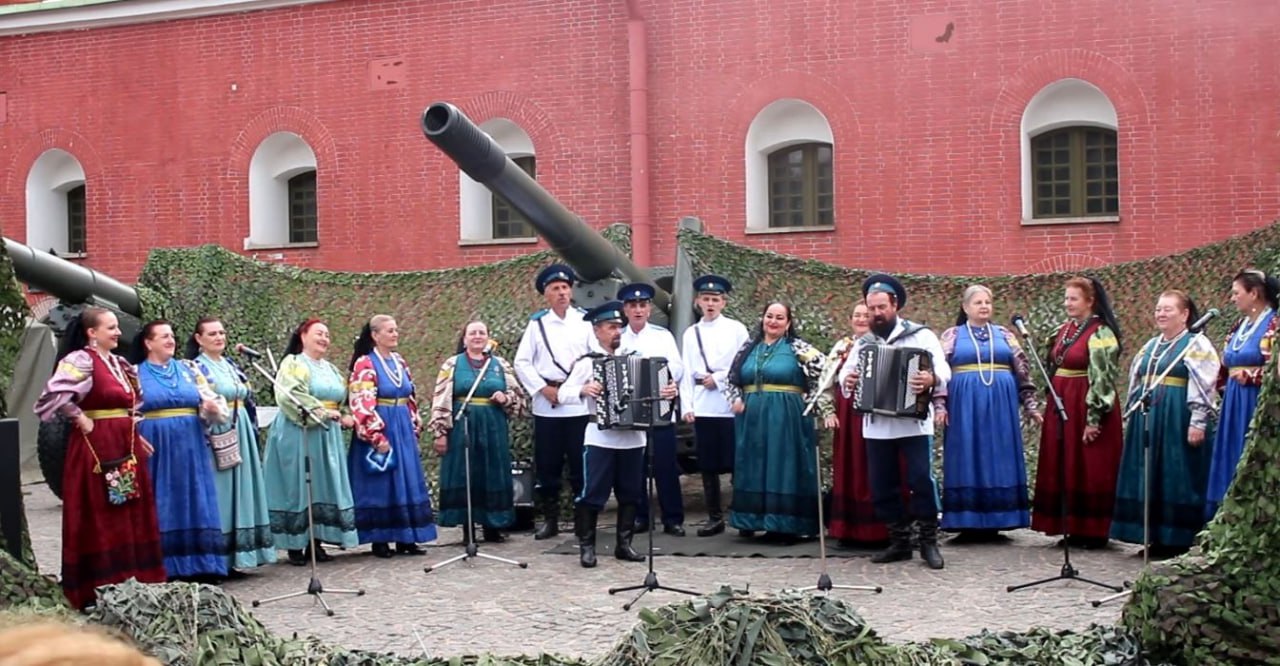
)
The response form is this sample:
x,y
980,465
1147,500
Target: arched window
x,y
282,193
1071,166
790,174
485,217
56,204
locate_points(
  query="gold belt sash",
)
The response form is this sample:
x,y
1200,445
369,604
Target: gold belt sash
x,y
233,405
773,388
474,401
169,413
978,367
392,402
100,414
329,404
1068,372
1249,368
1167,381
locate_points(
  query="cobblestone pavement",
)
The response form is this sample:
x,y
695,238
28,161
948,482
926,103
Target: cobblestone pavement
x,y
556,606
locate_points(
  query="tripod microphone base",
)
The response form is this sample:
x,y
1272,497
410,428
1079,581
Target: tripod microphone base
x,y
1112,597
314,588
1068,573
825,585
649,585
473,552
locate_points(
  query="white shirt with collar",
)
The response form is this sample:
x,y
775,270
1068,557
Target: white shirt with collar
x,y
722,337
877,426
571,395
569,338
654,341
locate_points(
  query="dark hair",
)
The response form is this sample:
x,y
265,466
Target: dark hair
x,y
138,353
192,348
462,334
1092,289
1184,300
1266,286
757,334
295,340
77,334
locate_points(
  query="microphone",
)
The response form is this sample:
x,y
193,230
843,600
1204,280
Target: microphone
x,y
248,351
490,346
1020,324
1204,320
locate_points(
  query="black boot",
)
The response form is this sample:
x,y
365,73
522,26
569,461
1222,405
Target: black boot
x,y
626,530
468,534
928,533
715,516
551,520
584,527
381,550
899,544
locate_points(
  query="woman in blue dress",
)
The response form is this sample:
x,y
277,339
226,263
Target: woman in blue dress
x,y
775,480
177,402
392,502
984,471
498,398
1246,353
305,378
242,494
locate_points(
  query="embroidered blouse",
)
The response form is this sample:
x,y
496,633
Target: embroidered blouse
x,y
812,363
1021,368
362,397
73,379
1103,371
441,422
1202,366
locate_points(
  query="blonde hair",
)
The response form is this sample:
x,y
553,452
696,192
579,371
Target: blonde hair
x,y
55,644
973,290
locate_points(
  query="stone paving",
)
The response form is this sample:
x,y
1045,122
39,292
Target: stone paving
x,y
556,606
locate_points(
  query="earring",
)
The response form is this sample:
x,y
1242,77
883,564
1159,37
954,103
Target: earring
x,y
93,342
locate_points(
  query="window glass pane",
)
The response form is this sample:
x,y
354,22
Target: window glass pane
x,y
76,226
507,222
302,208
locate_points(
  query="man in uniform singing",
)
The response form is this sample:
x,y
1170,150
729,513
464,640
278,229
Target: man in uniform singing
x,y
890,439
707,353
613,458
653,341
555,337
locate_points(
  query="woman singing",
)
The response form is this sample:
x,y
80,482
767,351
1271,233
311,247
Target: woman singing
x,y
775,481
984,471
1178,371
498,397
392,503
1084,361
177,403
307,379
242,494
109,528
1246,353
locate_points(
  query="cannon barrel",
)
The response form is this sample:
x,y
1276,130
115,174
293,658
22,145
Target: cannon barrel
x,y
480,157
69,282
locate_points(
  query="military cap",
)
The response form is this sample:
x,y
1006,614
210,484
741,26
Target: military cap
x,y
553,273
713,284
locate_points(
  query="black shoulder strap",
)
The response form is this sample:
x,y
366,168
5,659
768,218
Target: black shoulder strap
x,y
550,353
701,352
908,327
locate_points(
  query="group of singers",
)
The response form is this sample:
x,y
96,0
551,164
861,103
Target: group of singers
x,y
163,478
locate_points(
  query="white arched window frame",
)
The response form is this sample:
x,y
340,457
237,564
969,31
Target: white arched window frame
x,y
783,123
278,158
52,178
475,201
1063,103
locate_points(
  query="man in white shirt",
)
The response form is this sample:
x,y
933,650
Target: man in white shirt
x,y
613,459
555,337
708,348
653,341
892,440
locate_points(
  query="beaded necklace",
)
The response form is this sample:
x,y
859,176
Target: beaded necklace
x,y
1070,337
113,366
167,374
396,376
1245,332
987,380
1155,356
763,358
223,369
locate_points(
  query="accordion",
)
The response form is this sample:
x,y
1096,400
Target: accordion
x,y
630,399
883,388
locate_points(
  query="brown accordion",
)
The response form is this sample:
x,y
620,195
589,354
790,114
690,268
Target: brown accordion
x,y
630,400
883,388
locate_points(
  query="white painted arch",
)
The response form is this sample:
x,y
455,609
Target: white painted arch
x,y
781,123
278,158
52,175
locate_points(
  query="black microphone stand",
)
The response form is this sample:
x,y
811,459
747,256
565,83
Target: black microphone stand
x,y
1143,407
472,549
314,588
1068,572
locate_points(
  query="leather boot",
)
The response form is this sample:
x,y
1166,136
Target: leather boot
x,y
584,527
626,529
928,531
715,516
468,534
551,520
899,544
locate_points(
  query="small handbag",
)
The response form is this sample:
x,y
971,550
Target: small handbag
x,y
226,445
379,462
119,475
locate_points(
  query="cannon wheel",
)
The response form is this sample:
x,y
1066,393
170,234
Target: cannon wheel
x,y
51,448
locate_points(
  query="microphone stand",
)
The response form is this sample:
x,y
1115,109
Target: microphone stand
x,y
1068,572
472,549
314,588
1143,406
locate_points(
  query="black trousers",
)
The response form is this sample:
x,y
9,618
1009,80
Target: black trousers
x,y
557,442
616,470
885,458
713,438
666,477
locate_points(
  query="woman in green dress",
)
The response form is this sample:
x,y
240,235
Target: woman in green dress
x,y
775,480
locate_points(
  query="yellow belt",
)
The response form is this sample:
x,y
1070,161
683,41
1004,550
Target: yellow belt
x,y
233,405
329,404
978,367
169,413
476,401
773,388
1067,372
100,414
1167,381
392,402
1250,368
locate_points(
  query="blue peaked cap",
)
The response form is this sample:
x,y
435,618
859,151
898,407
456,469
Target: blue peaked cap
x,y
553,273
713,284
636,291
611,311
888,284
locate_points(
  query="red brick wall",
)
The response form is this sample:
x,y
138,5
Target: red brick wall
x,y
926,139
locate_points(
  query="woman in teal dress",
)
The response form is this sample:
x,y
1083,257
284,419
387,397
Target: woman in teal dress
x,y
498,398
1182,408
242,494
775,480
305,376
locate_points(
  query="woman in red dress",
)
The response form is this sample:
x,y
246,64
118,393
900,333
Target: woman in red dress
x,y
1084,361
109,528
